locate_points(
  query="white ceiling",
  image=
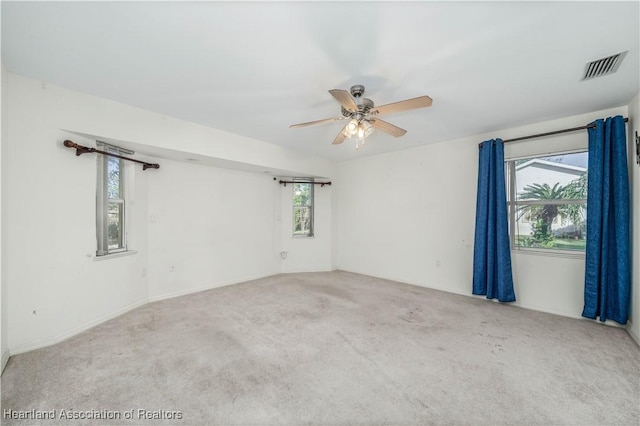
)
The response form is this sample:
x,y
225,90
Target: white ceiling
x,y
254,68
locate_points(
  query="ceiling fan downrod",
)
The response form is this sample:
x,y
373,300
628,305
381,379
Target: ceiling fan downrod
x,y
364,104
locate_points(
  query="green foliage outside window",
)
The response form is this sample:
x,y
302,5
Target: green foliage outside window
x,y
303,209
542,216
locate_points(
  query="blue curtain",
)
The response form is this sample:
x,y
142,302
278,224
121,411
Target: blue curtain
x,y
607,269
491,252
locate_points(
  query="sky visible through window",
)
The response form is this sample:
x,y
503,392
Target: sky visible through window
x,y
579,159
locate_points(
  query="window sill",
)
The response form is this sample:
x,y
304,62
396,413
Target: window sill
x,y
115,255
295,237
568,254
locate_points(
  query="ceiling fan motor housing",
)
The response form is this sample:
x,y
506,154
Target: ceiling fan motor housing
x,y
365,105
357,90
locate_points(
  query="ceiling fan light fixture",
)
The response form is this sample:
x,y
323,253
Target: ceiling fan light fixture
x,y
367,127
352,127
364,130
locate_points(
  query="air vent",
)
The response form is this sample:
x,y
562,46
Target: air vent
x,y
603,66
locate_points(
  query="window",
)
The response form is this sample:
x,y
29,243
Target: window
x,y
110,203
303,209
547,199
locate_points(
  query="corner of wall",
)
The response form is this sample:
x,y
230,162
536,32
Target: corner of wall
x,y
633,335
5,359
633,326
3,281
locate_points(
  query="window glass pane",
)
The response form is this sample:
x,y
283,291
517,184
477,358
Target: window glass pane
x,y
113,178
302,194
303,209
557,177
550,205
110,202
551,226
301,221
115,225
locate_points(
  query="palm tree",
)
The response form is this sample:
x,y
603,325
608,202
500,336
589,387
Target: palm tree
x,y
536,191
542,215
576,190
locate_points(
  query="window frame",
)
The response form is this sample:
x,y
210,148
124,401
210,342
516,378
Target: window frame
x,y
103,201
309,207
513,203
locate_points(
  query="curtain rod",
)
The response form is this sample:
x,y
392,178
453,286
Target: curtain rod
x,y
556,132
84,150
539,135
285,182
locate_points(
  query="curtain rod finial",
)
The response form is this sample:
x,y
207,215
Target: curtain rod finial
x,y
79,148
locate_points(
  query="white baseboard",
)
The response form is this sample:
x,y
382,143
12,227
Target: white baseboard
x,y
59,338
633,335
3,362
77,330
207,287
417,284
515,304
295,271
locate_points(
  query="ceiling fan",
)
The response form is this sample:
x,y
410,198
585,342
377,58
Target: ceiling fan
x,y
362,114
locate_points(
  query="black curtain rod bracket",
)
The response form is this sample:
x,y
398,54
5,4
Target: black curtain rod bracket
x,y
85,150
555,132
285,182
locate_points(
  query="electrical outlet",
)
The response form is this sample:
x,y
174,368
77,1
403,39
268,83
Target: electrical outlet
x,y
438,264
172,268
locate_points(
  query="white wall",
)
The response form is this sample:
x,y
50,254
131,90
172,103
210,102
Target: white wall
x,y
634,170
214,226
410,215
56,288
4,348
116,121
398,214
209,227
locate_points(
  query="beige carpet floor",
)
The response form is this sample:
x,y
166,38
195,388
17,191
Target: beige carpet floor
x,y
331,348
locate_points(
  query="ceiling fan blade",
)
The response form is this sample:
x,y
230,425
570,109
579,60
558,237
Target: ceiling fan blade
x,y
340,138
311,123
419,102
345,99
389,128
